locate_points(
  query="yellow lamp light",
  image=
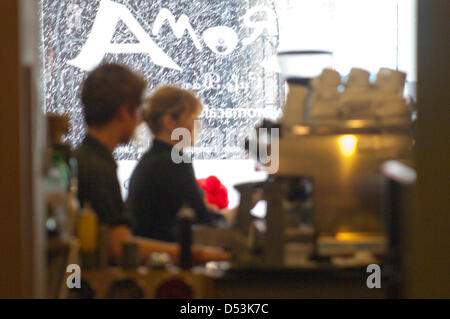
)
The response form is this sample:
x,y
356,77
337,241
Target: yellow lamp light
x,y
347,145
347,236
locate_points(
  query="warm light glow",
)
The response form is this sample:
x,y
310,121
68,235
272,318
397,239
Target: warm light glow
x,y
356,123
301,130
346,236
354,236
347,144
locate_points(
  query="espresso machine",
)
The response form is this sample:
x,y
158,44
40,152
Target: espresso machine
x,y
324,200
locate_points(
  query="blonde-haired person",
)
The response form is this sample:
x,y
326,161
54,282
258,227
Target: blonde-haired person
x,y
159,186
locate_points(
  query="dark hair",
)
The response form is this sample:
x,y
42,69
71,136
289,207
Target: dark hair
x,y
107,88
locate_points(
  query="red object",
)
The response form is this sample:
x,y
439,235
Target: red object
x,y
174,288
215,192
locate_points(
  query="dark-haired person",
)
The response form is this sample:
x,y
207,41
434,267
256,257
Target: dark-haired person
x,y
111,97
159,186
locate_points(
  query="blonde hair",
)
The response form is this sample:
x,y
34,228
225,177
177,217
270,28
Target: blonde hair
x,y
169,100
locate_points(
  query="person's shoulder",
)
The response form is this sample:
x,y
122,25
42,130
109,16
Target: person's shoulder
x,y
155,159
146,166
176,162
81,151
89,161
159,165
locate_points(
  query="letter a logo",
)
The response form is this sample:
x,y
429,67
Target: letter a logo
x,y
374,280
74,279
99,40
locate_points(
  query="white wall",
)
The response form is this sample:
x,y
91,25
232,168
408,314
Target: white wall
x,y
361,33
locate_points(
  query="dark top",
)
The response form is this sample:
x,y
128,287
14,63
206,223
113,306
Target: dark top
x,y
158,188
98,183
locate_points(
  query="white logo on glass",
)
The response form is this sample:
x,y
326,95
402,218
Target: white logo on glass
x,y
178,27
99,41
221,40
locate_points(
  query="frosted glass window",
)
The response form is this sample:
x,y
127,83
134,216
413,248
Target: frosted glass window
x,y
218,49
223,50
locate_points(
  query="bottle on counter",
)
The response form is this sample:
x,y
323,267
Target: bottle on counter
x,y
130,255
61,184
185,217
103,237
59,162
56,185
87,231
73,204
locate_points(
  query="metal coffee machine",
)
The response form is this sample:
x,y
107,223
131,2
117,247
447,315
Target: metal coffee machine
x,y
334,138
344,133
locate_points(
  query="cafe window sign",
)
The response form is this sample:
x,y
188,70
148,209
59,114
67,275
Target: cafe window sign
x,y
221,50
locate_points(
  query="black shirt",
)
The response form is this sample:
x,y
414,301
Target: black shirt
x,y
158,188
98,183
